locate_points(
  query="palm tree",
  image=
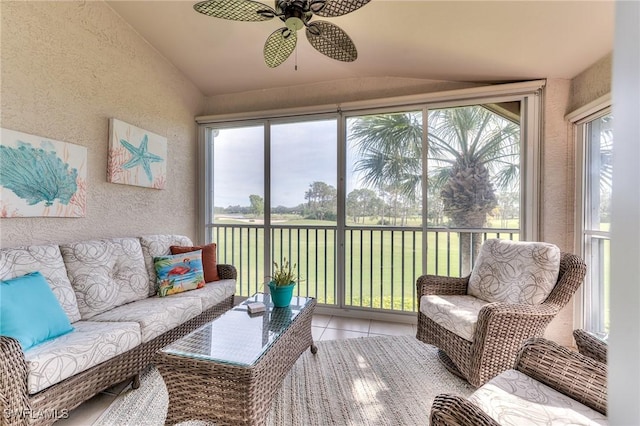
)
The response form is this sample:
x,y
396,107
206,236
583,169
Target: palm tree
x,y
390,151
470,149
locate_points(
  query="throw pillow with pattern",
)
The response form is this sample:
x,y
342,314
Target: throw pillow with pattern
x,y
178,273
208,259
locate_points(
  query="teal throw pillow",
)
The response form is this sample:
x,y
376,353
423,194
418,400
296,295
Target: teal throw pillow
x,y
30,312
179,272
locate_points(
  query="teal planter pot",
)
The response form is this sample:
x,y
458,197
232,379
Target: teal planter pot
x,y
281,294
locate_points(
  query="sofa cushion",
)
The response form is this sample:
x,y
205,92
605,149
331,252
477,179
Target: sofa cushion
x,y
178,273
159,245
209,262
212,293
458,314
30,312
156,315
515,271
105,273
90,344
513,398
47,260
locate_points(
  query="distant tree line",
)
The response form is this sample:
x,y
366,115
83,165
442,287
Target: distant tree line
x,y
363,205
321,204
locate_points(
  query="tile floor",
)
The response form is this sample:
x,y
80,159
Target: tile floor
x,y
324,327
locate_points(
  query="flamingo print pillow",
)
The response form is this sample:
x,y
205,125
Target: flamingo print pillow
x,y
179,272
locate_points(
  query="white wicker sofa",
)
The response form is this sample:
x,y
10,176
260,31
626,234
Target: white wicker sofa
x,y
107,288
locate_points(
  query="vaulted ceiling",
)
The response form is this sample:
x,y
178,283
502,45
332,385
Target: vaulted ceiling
x,y
478,41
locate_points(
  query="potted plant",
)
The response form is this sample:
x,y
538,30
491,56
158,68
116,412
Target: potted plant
x,y
282,283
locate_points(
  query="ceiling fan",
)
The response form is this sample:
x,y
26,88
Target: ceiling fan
x,y
324,36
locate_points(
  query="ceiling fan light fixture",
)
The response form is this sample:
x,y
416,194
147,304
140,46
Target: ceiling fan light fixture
x,y
294,23
295,17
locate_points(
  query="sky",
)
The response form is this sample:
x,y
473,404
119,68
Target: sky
x,y
301,153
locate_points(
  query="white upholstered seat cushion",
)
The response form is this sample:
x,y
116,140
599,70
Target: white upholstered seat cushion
x,y
515,271
90,344
156,315
211,294
456,313
515,399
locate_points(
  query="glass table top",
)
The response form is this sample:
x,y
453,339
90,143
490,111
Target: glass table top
x,y
237,337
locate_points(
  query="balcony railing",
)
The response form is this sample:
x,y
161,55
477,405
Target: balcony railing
x,y
381,264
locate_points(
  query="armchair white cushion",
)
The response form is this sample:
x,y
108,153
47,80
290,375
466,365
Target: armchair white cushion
x,y
514,399
458,314
515,272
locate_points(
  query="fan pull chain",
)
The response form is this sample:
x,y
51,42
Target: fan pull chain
x,y
296,65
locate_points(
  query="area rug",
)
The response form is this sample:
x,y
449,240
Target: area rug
x,y
386,380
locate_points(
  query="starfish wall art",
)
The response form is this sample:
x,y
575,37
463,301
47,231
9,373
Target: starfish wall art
x,y
136,156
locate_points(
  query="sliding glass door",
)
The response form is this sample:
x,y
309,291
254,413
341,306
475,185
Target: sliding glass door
x,y
274,197
303,203
365,202
383,215
236,192
424,199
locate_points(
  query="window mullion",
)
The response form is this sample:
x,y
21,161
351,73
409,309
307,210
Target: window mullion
x,y
267,203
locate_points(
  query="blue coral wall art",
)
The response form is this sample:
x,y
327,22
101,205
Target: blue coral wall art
x,y
40,177
136,156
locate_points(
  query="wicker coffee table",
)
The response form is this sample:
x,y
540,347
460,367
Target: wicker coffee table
x,y
228,370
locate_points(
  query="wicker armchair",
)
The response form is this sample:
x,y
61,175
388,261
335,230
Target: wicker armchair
x,y
582,379
501,327
590,345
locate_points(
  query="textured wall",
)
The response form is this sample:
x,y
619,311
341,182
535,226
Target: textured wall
x,y
590,84
558,189
557,177
325,93
67,67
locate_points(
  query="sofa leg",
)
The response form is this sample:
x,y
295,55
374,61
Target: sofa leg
x,y
135,383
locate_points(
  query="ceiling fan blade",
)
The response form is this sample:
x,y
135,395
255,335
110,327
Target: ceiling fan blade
x,y
334,8
330,40
235,10
279,46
